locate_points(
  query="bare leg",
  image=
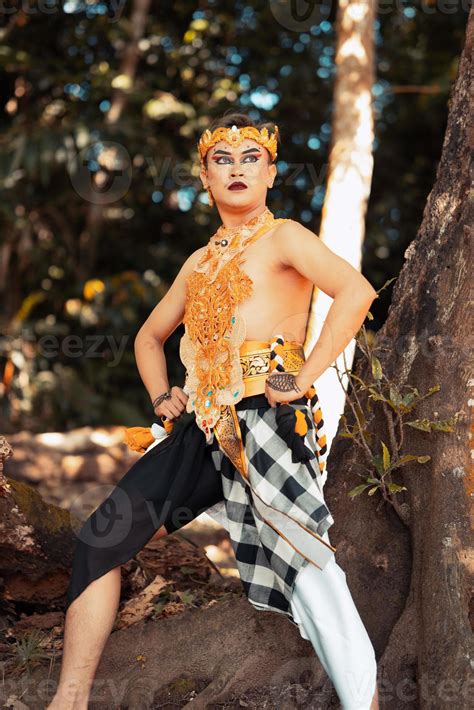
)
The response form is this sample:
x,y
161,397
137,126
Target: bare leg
x,y
88,624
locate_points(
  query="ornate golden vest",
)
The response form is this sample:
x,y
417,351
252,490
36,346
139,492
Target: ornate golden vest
x,y
214,330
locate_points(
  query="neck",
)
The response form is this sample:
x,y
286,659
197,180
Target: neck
x,y
235,219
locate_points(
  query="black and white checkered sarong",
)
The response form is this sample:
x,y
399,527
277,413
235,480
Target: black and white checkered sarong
x,y
276,519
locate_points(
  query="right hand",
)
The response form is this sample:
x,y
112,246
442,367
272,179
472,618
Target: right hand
x,y
174,407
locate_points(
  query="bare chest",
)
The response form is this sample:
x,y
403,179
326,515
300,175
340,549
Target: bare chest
x,y
280,298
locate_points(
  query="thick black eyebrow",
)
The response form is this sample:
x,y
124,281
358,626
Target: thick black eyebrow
x,y
226,152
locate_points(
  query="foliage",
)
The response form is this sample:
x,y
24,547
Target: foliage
x,y
68,249
395,403
76,361
28,651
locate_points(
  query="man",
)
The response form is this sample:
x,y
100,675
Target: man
x,y
254,447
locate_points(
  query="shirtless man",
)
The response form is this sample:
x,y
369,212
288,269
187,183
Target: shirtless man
x,y
284,265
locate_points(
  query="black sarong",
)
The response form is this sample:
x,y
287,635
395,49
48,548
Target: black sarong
x,y
171,484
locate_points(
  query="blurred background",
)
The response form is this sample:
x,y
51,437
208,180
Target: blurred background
x,y
102,105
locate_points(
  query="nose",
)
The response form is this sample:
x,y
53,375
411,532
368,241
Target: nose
x,y
237,170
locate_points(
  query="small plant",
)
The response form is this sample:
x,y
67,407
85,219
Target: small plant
x,y
28,651
396,404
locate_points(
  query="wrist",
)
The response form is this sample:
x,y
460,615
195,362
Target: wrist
x,y
160,396
303,380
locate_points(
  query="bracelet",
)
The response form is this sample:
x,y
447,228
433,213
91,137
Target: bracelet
x,y
283,382
161,397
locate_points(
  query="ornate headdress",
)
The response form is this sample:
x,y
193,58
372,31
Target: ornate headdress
x,y
234,136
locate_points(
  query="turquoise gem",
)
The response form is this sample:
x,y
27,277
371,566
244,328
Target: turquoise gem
x,y
210,392
235,394
232,320
207,403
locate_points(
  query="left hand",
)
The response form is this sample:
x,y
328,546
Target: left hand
x,y
278,391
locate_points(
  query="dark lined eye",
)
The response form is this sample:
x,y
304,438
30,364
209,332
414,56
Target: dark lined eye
x,y
225,157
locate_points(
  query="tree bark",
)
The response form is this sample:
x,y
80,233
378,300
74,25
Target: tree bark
x,y
423,574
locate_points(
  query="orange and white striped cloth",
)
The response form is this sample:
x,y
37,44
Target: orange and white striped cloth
x,y
301,427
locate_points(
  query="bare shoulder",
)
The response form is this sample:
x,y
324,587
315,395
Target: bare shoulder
x,y
192,261
291,236
298,247
290,228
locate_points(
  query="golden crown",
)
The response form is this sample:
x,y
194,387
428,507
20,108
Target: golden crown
x,y
234,136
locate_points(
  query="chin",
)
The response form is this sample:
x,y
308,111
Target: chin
x,y
237,203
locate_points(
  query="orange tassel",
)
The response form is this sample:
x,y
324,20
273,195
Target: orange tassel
x,y
168,425
301,426
138,438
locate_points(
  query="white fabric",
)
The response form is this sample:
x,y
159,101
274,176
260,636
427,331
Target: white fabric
x,y
326,615
308,544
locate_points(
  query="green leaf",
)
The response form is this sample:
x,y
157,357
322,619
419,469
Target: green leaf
x,y
359,380
376,368
406,459
409,399
395,488
386,457
377,396
443,425
423,459
357,490
395,396
372,490
378,463
435,425
422,424
186,597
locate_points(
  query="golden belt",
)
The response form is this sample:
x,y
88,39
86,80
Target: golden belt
x,y
255,357
255,361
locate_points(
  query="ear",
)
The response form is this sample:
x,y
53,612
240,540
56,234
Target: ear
x,y
272,172
204,178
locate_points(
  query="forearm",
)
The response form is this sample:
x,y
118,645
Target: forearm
x,y
151,364
344,318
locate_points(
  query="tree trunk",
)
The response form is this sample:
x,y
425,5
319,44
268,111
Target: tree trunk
x,y
422,574
349,176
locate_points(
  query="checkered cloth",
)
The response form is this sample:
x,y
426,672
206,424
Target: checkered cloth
x,y
274,520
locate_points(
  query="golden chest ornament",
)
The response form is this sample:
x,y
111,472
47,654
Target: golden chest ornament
x,y
214,329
